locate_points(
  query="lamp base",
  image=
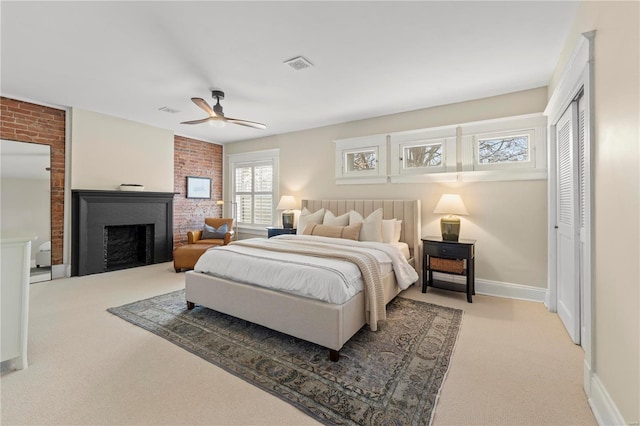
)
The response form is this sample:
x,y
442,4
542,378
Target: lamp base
x,y
450,228
287,220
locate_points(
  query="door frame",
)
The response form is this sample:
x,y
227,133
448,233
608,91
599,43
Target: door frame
x,y
577,76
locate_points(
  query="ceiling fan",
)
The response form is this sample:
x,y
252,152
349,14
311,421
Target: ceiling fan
x,y
216,114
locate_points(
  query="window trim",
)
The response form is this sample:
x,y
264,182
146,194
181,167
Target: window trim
x,y
235,160
345,146
533,125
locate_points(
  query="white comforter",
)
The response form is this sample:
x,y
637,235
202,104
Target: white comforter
x,y
330,280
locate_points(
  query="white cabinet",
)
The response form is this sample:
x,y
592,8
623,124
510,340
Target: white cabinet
x,y
14,295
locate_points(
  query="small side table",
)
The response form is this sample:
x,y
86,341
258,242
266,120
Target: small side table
x,y
272,231
462,250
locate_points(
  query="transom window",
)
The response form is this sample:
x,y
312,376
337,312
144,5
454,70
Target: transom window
x,y
363,160
420,156
510,149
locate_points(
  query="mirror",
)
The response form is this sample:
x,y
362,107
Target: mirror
x,y
25,200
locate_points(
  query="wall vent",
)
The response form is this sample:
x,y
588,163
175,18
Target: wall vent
x,y
299,63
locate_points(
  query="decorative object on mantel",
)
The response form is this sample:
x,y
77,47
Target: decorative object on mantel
x,y
287,203
131,187
391,376
450,205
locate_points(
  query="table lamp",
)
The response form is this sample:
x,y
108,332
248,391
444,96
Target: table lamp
x,y
287,203
450,205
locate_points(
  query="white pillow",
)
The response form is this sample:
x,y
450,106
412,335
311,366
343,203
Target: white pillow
x,y
389,231
398,231
306,217
371,226
331,219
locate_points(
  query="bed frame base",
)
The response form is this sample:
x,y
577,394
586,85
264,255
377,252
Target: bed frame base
x,y
334,355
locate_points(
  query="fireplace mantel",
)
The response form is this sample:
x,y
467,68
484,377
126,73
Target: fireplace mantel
x,y
92,211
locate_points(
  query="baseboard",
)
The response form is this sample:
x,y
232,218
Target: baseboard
x,y
60,271
500,289
603,407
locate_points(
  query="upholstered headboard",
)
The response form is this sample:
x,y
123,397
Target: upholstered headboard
x,y
406,210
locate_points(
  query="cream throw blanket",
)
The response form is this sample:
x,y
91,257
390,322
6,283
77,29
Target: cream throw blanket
x,y
373,289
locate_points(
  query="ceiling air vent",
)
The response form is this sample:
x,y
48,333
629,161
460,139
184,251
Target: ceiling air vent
x,y
169,110
298,63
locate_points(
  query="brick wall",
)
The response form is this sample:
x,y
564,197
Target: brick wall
x,y
26,122
192,157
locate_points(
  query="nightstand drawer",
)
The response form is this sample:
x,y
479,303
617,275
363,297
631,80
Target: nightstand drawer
x,y
449,251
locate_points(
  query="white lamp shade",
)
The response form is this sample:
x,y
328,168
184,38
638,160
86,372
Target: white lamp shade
x,y
287,202
450,204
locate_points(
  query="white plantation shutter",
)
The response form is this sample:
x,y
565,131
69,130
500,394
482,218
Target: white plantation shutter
x,y
253,187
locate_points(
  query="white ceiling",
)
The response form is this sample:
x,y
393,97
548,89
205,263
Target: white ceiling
x,y
127,59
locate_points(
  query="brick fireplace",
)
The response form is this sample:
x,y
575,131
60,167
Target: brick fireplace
x,y
114,230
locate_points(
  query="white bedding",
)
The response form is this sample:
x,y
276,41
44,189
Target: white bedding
x,y
331,280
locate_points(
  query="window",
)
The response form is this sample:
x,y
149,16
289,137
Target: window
x,y
361,160
503,150
423,155
511,148
253,180
420,156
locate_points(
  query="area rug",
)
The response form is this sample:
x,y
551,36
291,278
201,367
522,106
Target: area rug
x,y
391,376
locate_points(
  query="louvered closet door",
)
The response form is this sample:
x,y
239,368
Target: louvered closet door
x,y
568,221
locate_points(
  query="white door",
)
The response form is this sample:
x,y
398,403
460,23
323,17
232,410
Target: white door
x,y
567,222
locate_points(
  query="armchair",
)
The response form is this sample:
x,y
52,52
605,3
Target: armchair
x,y
196,237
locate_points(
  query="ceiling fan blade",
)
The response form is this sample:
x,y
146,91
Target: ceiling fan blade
x,y
246,123
202,120
204,105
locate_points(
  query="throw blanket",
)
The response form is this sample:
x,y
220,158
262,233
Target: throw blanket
x,y
374,292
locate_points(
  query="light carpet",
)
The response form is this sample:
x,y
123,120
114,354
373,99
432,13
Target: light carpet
x,y
390,376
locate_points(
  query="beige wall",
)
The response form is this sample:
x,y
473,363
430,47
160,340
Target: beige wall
x,y
108,151
617,196
508,219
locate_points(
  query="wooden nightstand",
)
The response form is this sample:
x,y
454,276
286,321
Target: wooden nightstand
x,y
272,231
449,257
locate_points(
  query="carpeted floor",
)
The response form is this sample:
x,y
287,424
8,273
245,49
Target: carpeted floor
x,y
392,376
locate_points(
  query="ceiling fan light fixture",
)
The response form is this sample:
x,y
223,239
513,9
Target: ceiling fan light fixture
x,y
216,117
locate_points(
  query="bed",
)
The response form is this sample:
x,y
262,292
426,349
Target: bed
x,y
330,325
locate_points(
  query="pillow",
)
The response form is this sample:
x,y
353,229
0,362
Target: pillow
x,y
331,219
371,226
346,232
398,231
391,229
306,217
211,232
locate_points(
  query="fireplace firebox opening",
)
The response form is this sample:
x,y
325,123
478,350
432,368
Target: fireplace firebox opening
x,y
128,246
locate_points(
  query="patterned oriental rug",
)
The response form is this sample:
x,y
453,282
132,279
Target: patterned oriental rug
x,y
392,376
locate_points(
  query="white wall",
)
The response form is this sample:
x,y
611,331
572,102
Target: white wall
x,y
616,292
508,219
26,210
107,152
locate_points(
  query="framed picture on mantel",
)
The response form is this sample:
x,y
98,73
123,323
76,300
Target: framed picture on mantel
x,y
198,187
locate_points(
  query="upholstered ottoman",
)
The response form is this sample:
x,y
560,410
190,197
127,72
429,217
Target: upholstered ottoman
x,y
185,257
